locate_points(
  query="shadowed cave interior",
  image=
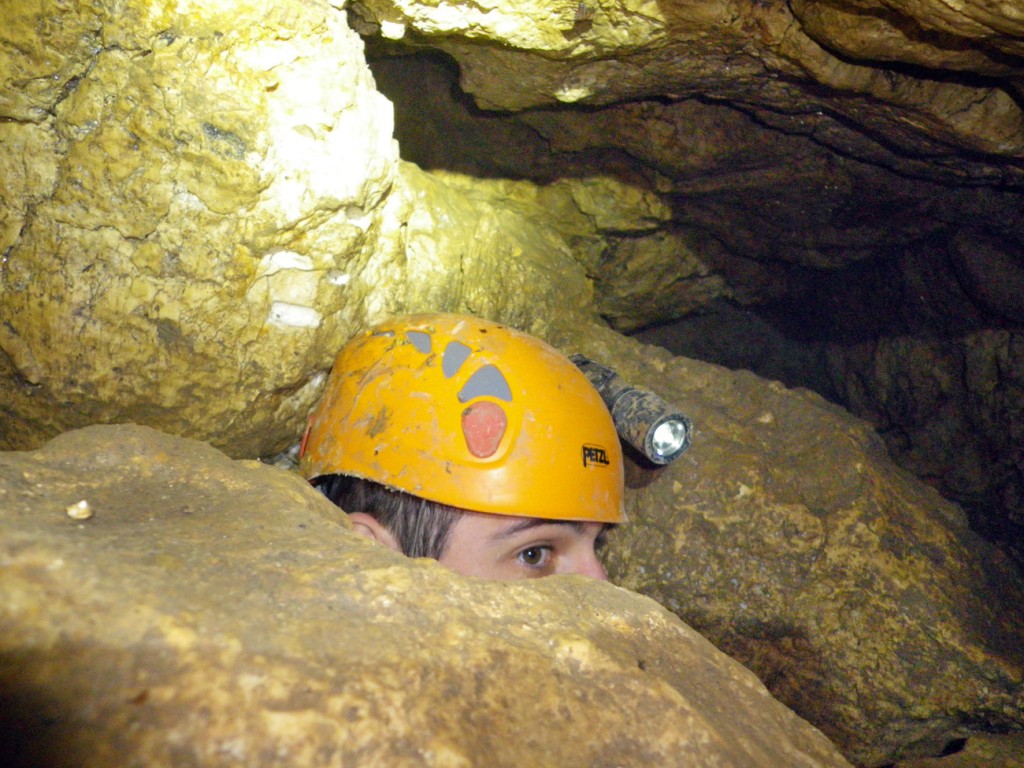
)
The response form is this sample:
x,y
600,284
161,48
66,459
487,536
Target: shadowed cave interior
x,y
925,290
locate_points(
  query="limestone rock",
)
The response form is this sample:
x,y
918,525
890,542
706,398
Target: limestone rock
x,y
906,385
210,208
645,280
920,32
200,202
496,248
47,47
748,193
223,613
908,283
787,537
771,55
728,176
983,751
184,224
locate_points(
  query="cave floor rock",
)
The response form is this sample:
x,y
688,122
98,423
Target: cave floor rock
x,y
162,604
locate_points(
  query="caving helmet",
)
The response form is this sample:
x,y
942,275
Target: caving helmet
x,y
468,413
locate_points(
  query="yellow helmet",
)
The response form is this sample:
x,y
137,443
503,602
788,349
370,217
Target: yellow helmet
x,y
469,413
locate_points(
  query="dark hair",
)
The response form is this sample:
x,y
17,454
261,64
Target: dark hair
x,y
421,527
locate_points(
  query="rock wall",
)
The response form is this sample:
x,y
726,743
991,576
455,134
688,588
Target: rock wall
x,y
201,203
788,538
200,219
186,221
875,65
831,241
224,613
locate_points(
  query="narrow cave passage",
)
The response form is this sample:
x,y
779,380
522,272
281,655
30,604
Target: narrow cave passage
x,y
877,293
204,203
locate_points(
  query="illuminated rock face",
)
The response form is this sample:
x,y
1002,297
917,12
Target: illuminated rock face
x,y
262,631
202,207
828,135
201,201
872,63
186,213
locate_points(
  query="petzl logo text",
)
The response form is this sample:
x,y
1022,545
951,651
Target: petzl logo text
x,y
594,454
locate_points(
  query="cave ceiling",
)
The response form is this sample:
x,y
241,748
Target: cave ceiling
x,y
834,131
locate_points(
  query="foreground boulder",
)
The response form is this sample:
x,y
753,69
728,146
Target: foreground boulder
x,y
161,604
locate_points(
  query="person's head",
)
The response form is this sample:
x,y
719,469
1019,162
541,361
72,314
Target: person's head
x,y
470,442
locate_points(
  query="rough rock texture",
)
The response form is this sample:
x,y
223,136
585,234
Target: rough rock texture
x,y
787,537
184,212
209,191
907,385
988,751
200,201
804,60
909,345
504,249
946,384
192,253
832,251
845,138
220,613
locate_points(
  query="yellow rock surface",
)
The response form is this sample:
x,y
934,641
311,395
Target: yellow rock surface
x,y
223,613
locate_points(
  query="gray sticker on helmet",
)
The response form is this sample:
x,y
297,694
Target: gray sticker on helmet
x,y
420,340
487,381
455,355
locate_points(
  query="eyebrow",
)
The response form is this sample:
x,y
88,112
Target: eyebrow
x,y
534,522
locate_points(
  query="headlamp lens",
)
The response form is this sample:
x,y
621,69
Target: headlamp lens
x,y
669,437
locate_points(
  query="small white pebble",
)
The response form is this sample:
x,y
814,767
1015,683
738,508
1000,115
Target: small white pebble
x,y
79,510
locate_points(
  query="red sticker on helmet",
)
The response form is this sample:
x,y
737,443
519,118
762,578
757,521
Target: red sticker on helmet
x,y
483,425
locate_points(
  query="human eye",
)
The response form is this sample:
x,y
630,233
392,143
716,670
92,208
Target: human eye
x,y
537,556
